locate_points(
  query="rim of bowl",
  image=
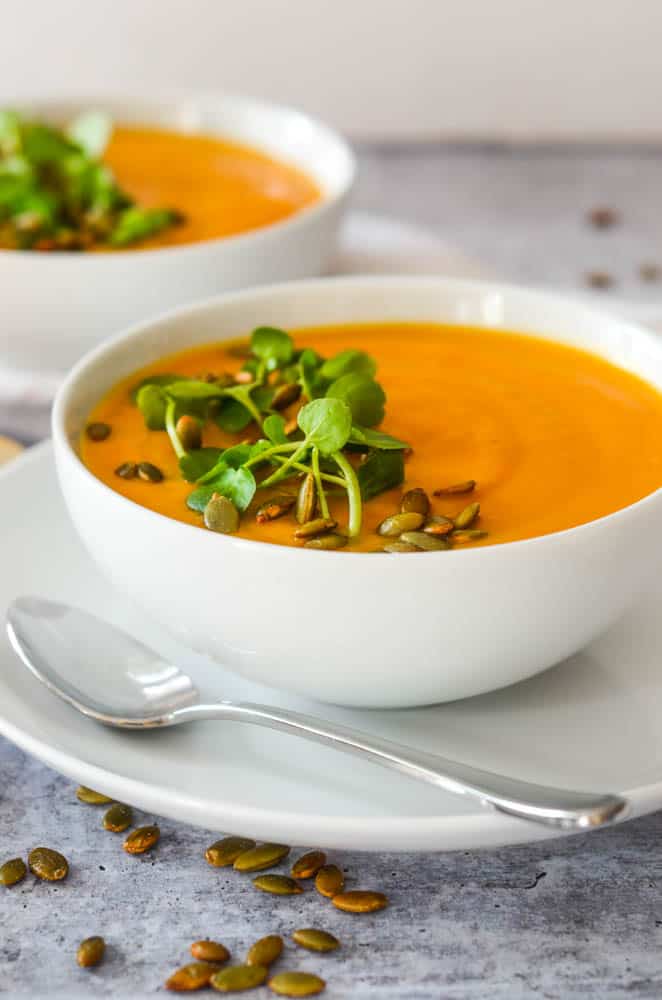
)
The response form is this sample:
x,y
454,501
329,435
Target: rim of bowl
x,y
202,100
138,331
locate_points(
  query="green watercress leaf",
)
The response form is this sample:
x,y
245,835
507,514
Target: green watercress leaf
x,y
167,378
363,395
348,361
238,485
308,367
274,428
272,346
369,438
136,223
327,424
152,401
91,130
196,464
233,417
382,470
192,389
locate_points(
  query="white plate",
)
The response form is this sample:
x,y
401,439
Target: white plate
x,y
593,722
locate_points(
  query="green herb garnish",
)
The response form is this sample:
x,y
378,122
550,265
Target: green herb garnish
x,y
343,403
57,194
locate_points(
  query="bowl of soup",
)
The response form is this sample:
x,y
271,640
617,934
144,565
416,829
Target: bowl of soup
x,y
485,459
215,193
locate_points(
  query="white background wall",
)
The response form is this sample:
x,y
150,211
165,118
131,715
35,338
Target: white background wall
x,y
380,68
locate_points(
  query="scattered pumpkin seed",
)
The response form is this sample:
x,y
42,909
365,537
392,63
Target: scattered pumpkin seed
x,y
330,541
244,377
306,500
308,864
401,547
98,431
329,881
256,859
189,432
296,984
319,526
279,885
265,951
467,535
286,395
360,901
194,976
291,426
149,473
92,798
209,951
13,871
275,507
91,951
239,977
467,516
240,349
466,487
431,543
127,470
438,525
118,818
142,839
393,526
47,864
221,515
416,501
315,940
226,851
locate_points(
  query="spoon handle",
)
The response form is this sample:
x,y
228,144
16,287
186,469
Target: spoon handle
x,y
556,807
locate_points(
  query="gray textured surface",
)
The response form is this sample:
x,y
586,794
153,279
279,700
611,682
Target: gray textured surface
x,y
568,919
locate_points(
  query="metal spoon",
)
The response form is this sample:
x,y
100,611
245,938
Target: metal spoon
x,y
132,687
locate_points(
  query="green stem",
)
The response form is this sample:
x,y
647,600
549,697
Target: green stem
x,y
300,467
321,496
271,452
243,395
279,474
180,451
353,493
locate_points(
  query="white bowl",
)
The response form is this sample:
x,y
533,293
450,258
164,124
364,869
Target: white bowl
x,y
353,628
56,306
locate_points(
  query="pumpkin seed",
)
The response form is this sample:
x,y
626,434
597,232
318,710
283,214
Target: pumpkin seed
x,y
98,431
244,377
209,951
127,470
319,526
13,871
446,491
397,523
467,535
330,541
47,864
415,500
401,547
142,839
265,951
90,797
221,515
285,396
149,473
438,525
274,507
189,432
296,984
263,856
239,977
308,864
118,818
194,976
431,543
315,940
329,881
279,885
306,500
291,426
467,516
360,901
226,851
239,349
90,951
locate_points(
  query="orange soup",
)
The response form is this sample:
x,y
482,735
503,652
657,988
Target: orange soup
x,y
220,187
552,436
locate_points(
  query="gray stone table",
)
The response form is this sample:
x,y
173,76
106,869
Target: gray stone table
x,y
574,918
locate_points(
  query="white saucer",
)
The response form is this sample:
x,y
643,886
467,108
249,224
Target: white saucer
x,y
594,722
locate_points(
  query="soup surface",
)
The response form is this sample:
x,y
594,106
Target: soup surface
x,y
222,188
553,436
